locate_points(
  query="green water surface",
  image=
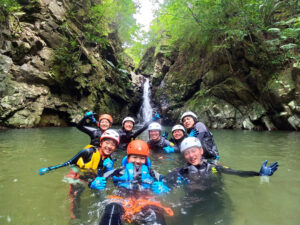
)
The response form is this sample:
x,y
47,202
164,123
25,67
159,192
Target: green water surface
x,y
27,198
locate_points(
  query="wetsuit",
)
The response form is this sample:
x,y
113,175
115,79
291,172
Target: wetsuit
x,y
207,141
204,193
159,145
94,133
134,181
90,163
127,136
201,173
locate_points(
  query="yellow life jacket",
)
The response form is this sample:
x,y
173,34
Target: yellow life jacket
x,y
90,166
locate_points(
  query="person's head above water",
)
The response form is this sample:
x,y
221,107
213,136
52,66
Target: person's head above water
x,y
192,150
178,131
109,142
188,119
128,123
137,152
105,121
154,130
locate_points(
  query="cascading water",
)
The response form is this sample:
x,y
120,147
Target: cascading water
x,y
146,111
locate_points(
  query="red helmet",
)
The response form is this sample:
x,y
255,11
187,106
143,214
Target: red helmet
x,y
106,116
138,147
111,134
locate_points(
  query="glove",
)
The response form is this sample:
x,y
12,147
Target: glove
x,y
99,183
108,164
156,116
165,135
168,149
44,170
194,133
90,115
158,187
268,170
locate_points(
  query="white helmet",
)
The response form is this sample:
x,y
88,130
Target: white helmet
x,y
188,113
154,126
111,134
188,143
178,127
128,118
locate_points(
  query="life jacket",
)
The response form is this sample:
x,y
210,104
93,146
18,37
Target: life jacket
x,y
134,179
92,165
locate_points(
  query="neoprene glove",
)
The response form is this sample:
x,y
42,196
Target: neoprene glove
x,y
99,183
168,149
165,135
194,133
90,115
156,116
108,164
158,187
268,170
44,170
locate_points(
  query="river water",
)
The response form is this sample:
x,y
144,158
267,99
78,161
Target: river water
x,y
27,198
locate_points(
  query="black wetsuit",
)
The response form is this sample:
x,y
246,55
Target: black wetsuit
x,y
127,136
204,193
202,173
207,141
159,145
86,155
94,132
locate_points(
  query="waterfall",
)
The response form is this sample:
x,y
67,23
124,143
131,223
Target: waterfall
x,y
146,111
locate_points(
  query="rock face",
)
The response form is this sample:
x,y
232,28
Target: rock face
x,y
34,91
235,89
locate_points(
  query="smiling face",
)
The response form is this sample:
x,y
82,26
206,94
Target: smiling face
x,y
193,155
178,134
128,126
188,122
107,146
137,160
104,124
154,135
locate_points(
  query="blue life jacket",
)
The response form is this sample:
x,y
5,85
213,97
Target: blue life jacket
x,y
134,178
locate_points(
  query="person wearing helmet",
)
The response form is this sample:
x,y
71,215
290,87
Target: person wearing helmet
x,y
88,163
105,122
127,133
178,134
202,182
157,143
135,178
197,129
196,169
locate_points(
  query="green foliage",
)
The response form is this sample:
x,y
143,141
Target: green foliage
x,y
106,16
267,10
66,61
100,16
183,23
8,7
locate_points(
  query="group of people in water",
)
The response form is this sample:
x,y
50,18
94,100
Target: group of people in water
x,y
135,178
